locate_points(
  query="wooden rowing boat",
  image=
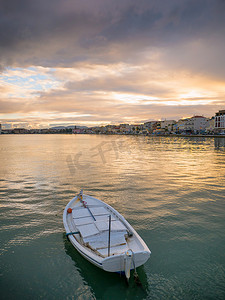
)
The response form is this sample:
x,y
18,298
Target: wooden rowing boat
x,y
103,236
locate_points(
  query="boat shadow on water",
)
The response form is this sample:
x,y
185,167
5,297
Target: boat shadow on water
x,y
107,285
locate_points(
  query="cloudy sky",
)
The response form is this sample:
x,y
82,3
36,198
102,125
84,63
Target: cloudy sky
x,y
92,62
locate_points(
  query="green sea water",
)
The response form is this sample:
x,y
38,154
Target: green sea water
x,y
171,190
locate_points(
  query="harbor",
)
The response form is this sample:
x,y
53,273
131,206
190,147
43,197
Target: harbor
x,y
170,190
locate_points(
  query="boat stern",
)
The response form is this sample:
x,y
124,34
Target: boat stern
x,y
119,263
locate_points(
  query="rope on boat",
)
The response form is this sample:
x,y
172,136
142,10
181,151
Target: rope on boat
x,y
80,197
70,233
90,212
136,277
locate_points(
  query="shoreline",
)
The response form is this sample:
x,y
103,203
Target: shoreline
x,y
150,135
192,135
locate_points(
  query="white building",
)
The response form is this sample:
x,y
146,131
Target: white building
x,y
211,125
220,120
200,123
185,124
152,126
193,124
168,125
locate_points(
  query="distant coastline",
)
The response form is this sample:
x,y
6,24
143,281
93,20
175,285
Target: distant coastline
x,y
195,126
122,134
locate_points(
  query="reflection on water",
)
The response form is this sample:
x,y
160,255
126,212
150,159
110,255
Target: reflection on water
x,y
170,189
220,143
105,285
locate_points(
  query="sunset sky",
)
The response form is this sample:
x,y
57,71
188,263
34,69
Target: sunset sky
x,y
95,62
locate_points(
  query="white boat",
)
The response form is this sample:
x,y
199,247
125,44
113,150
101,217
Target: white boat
x,y
103,236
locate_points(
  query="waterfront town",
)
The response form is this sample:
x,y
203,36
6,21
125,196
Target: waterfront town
x,y
196,125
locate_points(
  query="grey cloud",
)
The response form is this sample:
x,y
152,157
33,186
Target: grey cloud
x,y
188,35
204,56
11,107
59,33
126,84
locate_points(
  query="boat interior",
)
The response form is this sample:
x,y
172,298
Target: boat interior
x,y
92,225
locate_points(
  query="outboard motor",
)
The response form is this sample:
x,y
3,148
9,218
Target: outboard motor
x,y
128,263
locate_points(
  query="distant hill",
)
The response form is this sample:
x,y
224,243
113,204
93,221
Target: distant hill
x,y
68,127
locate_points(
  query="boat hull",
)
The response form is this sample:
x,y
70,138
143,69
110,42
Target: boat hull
x,y
114,262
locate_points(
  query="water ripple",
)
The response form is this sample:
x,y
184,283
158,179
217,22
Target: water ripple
x,y
170,189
